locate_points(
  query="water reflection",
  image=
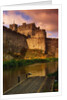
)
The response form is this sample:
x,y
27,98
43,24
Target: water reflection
x,y
10,78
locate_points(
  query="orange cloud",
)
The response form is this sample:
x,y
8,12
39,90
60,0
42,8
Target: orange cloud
x,y
11,17
46,18
49,34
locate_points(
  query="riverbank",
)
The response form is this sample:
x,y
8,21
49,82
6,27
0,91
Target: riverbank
x,y
28,54
52,80
55,86
18,63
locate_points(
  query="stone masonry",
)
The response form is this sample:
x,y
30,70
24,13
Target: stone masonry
x,y
29,36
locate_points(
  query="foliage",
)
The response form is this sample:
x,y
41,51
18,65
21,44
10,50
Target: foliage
x,y
18,63
54,74
55,87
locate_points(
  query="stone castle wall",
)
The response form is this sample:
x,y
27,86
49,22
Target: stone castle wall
x,y
13,27
29,37
36,36
37,41
26,32
52,46
13,42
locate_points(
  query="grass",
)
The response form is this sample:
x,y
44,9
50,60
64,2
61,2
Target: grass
x,y
55,74
18,63
55,88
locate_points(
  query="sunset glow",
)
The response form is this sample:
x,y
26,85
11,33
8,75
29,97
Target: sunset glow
x,y
47,19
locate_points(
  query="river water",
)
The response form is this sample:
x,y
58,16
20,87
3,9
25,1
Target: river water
x,y
10,77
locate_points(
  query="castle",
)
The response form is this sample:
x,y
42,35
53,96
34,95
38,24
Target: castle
x,y
29,36
36,37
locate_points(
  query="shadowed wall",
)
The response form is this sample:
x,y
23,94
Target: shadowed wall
x,y
13,42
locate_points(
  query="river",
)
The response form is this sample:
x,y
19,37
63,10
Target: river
x,y
10,77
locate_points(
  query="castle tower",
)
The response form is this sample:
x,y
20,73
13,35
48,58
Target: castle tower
x,y
38,41
13,26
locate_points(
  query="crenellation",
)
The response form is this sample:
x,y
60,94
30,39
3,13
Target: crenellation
x,y
36,38
13,27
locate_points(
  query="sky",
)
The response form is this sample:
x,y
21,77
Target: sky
x,y
44,18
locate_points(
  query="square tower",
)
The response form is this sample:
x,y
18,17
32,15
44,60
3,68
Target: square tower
x,y
13,27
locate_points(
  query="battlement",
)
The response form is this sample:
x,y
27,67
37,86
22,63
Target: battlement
x,y
13,27
30,26
30,37
27,29
24,26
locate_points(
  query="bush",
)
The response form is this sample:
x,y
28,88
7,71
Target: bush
x,y
18,63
